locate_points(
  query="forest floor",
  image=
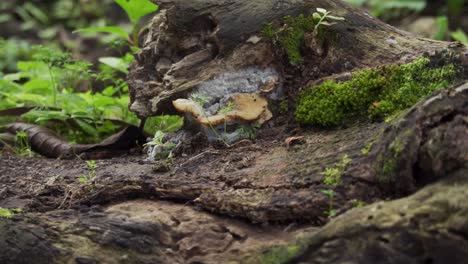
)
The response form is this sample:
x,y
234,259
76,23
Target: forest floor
x,y
216,201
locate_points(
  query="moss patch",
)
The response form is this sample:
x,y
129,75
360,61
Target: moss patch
x,y
391,159
281,254
291,36
376,93
9,213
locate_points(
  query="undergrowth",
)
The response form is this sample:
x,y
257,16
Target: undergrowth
x,y
376,93
47,86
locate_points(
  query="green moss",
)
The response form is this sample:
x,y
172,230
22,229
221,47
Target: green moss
x,y
397,147
281,254
283,107
393,156
376,93
8,212
291,36
366,150
388,169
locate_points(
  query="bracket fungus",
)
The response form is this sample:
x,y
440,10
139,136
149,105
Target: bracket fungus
x,y
246,107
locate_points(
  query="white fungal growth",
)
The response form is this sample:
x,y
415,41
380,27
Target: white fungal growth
x,y
248,80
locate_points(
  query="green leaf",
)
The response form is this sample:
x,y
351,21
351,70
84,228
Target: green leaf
x,y
316,16
322,10
103,101
165,123
442,27
115,63
325,23
136,9
45,115
460,35
110,29
329,193
37,86
83,180
13,77
36,12
5,18
87,128
109,91
336,18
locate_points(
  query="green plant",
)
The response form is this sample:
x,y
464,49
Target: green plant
x,y
332,176
47,84
376,93
224,111
442,23
54,59
22,146
91,166
283,107
47,19
331,212
158,149
247,132
201,100
9,212
135,10
164,123
366,150
291,35
461,36
321,17
11,51
280,254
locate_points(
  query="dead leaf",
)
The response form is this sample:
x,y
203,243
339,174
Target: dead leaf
x,y
293,141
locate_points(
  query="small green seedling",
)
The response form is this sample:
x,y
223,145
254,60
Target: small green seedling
x,y
158,148
92,166
331,212
322,15
332,178
366,150
224,111
199,99
291,36
22,146
247,131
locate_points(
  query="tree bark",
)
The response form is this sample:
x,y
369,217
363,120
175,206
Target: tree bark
x,y
258,201
221,30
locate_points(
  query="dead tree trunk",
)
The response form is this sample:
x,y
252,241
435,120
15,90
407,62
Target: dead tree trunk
x,y
141,213
195,41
